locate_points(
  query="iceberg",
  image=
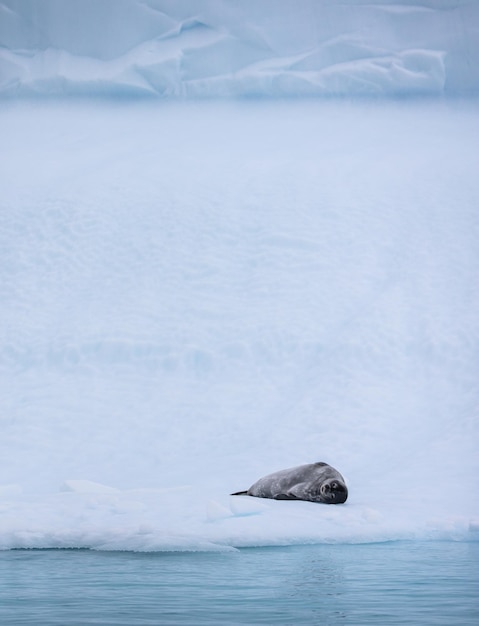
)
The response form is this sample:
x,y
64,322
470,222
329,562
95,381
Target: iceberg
x,y
237,237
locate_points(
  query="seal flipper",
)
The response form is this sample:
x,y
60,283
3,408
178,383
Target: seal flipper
x,y
296,492
239,493
286,496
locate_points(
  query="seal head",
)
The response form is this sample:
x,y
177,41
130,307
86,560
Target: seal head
x,y
333,491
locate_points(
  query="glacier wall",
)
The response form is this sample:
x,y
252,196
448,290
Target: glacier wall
x,y
225,48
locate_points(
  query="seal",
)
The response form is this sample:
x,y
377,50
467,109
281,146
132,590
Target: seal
x,y
314,482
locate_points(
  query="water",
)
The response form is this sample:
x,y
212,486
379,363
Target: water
x,y
391,583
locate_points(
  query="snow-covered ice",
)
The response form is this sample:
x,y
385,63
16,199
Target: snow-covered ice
x,y
195,295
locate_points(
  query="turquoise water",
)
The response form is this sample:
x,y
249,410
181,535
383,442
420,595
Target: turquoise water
x,y
389,583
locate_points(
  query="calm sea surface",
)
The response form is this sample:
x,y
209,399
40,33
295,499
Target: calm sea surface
x,y
389,583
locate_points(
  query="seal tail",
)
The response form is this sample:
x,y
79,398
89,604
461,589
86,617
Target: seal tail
x,y
239,493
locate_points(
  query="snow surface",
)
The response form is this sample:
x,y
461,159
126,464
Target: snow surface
x,y
195,295
207,48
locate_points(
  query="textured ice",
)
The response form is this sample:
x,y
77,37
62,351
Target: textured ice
x,y
196,295
206,48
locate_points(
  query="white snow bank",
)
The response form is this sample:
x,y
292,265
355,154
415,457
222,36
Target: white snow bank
x,y
187,520
196,295
211,48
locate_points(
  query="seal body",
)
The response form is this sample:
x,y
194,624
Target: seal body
x,y
314,482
